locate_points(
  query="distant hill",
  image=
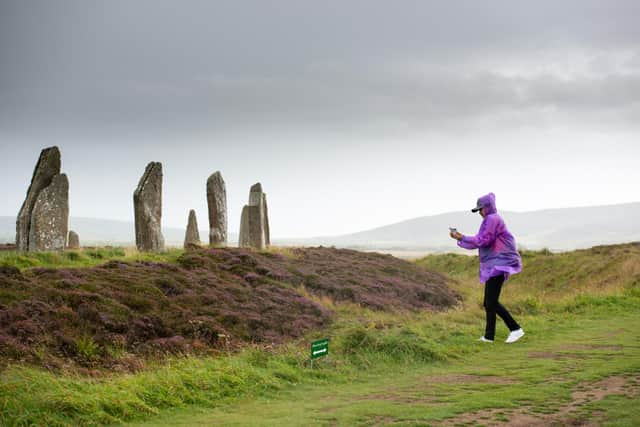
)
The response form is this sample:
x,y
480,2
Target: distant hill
x,y
556,229
107,232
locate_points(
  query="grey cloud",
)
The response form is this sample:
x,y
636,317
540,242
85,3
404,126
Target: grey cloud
x,y
248,66
351,98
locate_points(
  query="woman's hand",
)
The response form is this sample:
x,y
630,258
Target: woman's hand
x,y
456,235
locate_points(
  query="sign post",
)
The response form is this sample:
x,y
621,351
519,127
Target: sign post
x,y
319,348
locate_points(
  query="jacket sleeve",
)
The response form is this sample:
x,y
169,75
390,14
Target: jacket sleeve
x,y
486,235
466,245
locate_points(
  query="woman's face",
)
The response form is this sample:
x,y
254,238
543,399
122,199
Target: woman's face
x,y
482,213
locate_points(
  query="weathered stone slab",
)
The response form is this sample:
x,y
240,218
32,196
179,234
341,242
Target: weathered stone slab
x,y
192,236
243,236
50,217
267,231
217,201
147,203
74,240
47,167
251,232
255,195
254,223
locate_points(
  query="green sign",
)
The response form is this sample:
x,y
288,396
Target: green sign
x,y
319,348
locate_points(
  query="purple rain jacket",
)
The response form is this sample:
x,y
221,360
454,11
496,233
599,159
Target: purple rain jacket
x,y
495,244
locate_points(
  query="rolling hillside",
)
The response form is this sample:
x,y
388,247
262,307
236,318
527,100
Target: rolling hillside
x,y
557,229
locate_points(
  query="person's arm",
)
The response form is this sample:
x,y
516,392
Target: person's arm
x,y
458,236
464,245
485,237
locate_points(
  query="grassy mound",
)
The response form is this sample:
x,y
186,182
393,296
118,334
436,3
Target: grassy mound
x,y
552,282
115,314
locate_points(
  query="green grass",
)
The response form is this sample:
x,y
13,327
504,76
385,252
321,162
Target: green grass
x,y
386,367
89,257
617,411
83,257
409,390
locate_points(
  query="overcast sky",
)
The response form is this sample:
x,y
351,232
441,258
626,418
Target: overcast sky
x,y
352,114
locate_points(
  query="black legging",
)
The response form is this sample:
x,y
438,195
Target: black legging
x,y
492,306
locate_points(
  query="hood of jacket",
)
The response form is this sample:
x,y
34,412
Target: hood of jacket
x,y
488,202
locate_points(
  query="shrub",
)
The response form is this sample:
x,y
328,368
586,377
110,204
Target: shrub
x,y
72,256
86,348
399,344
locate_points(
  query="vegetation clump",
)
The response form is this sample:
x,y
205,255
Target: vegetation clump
x,y
199,301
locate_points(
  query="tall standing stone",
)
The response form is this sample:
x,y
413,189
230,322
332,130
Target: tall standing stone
x,y
267,231
192,236
217,201
255,195
243,236
73,242
47,167
147,204
251,232
254,223
50,217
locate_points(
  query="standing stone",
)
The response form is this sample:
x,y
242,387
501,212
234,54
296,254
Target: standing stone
x,y
147,205
217,201
251,232
254,222
50,217
73,241
47,167
267,231
243,236
192,236
255,195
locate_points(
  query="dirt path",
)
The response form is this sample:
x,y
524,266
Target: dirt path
x,y
569,414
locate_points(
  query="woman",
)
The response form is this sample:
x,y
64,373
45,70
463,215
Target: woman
x,y
499,259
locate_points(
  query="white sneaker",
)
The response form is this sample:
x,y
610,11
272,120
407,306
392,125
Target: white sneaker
x,y
515,336
483,339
